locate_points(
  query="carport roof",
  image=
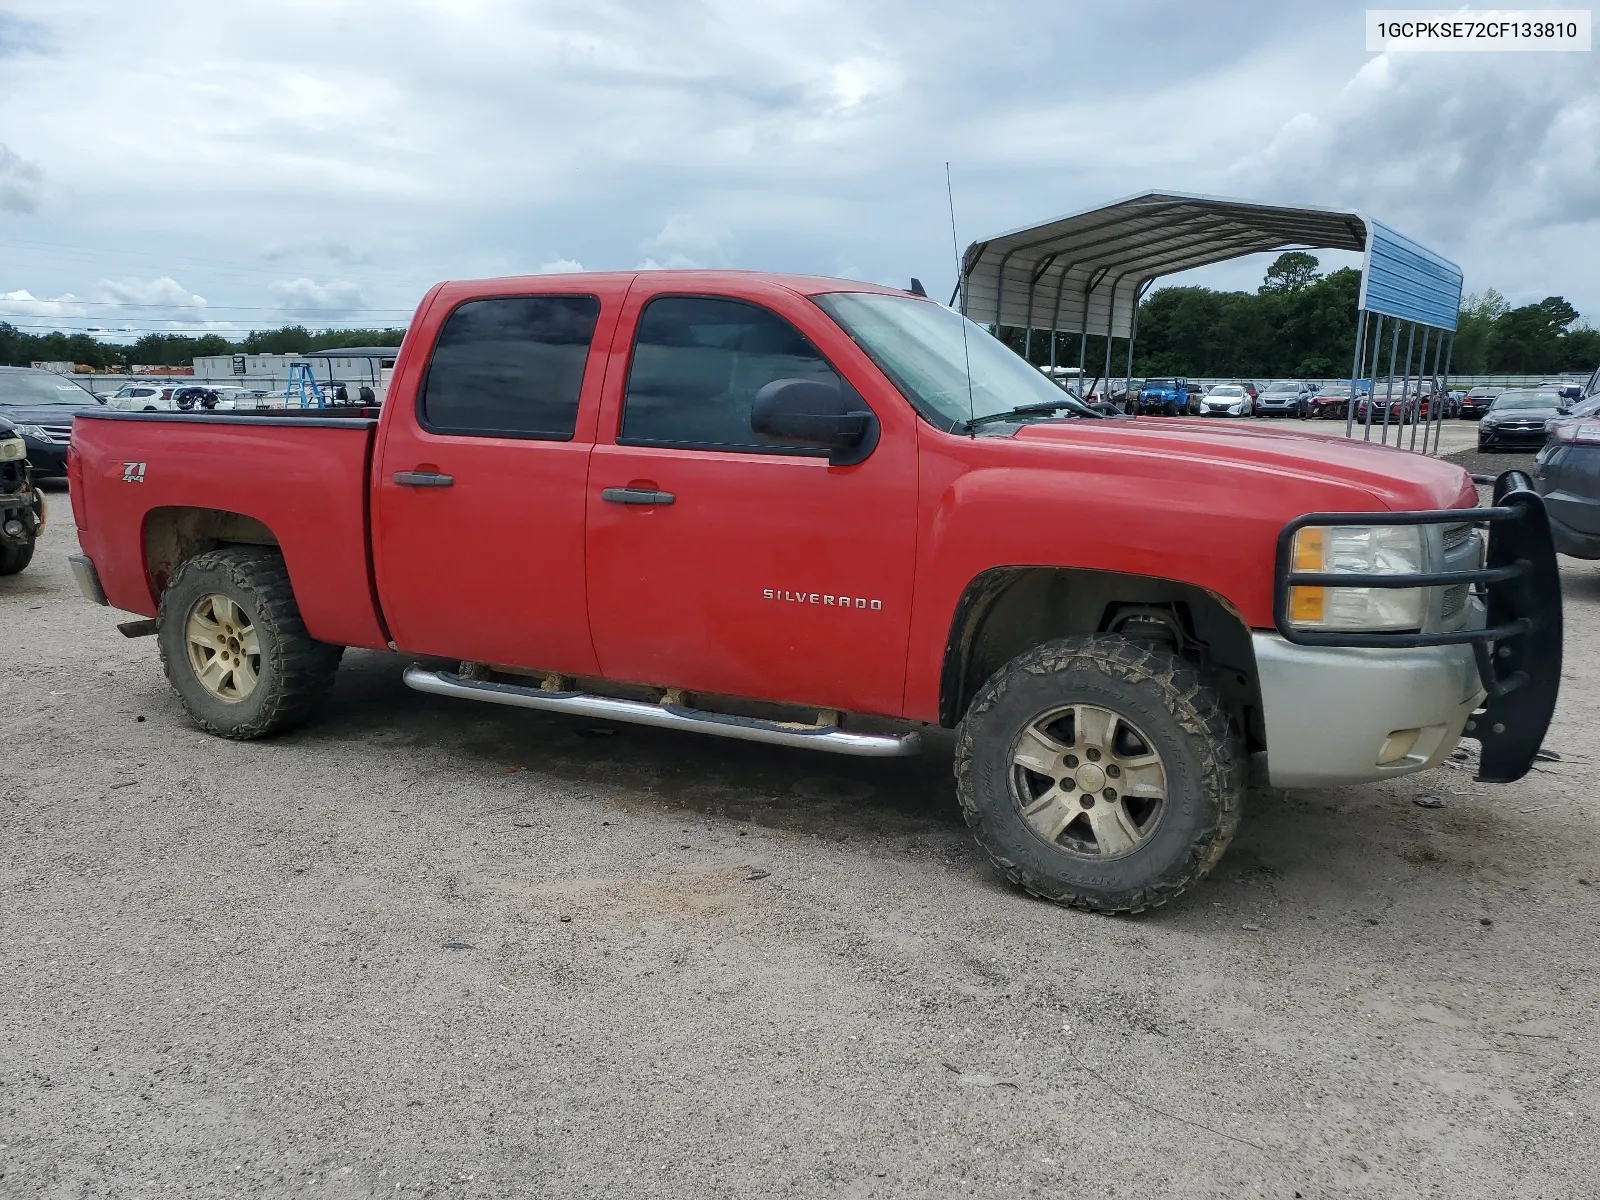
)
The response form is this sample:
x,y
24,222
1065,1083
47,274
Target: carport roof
x,y
1085,270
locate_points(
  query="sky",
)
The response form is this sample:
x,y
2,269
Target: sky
x,y
190,166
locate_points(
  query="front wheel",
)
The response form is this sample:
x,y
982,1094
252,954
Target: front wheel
x,y
15,558
234,647
1101,773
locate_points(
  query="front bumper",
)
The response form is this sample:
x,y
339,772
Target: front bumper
x,y
1329,711
1492,437
1515,643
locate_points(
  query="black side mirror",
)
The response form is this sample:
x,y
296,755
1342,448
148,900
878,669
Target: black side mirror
x,y
808,412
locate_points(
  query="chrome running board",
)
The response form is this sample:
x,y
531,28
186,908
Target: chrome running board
x,y
666,716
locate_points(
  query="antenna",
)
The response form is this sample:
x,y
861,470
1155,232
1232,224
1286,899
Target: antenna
x,y
955,248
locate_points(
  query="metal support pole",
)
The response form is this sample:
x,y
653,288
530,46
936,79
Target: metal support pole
x,y
1394,354
1111,315
1055,315
1443,394
1355,371
1405,386
1422,360
1372,393
1445,378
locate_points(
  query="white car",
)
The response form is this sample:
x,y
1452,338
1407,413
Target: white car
x,y
1227,400
147,396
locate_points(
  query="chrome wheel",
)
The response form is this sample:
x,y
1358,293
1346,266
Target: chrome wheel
x,y
224,650
1088,781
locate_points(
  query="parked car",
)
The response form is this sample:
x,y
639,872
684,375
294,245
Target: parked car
x,y
1193,393
144,396
1517,419
22,510
1167,396
1565,388
1477,401
1330,401
42,404
1395,407
832,501
1285,398
1567,475
1228,400
1250,389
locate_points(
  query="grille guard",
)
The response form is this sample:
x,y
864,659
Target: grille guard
x,y
1518,651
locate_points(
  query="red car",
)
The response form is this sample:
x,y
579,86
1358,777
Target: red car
x,y
788,510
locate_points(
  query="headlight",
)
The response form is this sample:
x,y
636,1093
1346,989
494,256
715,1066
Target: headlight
x,y
1358,549
35,431
12,449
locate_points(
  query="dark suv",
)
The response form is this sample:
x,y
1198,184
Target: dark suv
x,y
41,404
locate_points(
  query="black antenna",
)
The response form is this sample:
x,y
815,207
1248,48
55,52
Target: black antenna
x,y
955,247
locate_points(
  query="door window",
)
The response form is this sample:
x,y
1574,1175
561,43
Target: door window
x,y
510,367
697,365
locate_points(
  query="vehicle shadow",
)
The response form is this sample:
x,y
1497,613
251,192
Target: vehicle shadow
x,y
1346,850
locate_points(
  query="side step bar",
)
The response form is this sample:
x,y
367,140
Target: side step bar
x,y
666,716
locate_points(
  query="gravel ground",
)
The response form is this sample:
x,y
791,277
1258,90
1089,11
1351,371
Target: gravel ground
x,y
431,948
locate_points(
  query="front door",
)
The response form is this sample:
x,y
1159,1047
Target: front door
x,y
479,485
758,570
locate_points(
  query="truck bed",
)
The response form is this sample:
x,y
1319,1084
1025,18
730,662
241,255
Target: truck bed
x,y
145,482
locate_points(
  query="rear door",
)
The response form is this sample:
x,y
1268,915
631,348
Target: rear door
x,y
762,570
479,485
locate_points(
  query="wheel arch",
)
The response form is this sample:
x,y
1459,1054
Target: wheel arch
x,y
176,533
1006,611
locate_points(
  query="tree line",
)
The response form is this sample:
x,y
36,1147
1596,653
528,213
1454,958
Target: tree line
x,y
18,348
1301,324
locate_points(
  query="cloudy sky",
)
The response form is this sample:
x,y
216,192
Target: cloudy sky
x,y
192,165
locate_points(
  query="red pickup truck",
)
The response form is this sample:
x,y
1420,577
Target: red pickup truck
x,y
819,513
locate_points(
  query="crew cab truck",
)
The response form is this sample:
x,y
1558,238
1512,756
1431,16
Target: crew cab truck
x,y
817,513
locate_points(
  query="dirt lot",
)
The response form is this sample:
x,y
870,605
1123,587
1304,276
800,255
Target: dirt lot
x,y
430,948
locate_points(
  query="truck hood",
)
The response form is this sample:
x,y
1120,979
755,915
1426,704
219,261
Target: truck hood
x,y
1396,479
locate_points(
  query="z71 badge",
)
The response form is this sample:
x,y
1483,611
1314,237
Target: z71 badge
x,y
133,472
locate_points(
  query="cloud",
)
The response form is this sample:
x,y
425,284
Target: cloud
x,y
23,304
561,266
163,292
468,138
19,181
309,298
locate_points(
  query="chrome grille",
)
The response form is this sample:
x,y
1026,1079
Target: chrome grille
x,y
1454,535
60,433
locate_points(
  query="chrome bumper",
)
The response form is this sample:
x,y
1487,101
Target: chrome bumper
x,y
88,579
1329,710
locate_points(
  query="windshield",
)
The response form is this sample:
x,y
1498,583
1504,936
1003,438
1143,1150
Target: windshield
x,y
1227,390
1510,400
1161,384
35,389
1274,388
1482,393
920,346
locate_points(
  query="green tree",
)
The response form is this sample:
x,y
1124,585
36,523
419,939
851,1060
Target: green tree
x,y
1291,271
1474,327
1528,340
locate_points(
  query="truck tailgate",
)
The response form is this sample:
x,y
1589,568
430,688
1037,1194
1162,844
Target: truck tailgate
x,y
304,478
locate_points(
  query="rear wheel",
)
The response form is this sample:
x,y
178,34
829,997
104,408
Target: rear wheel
x,y
235,648
15,558
1101,773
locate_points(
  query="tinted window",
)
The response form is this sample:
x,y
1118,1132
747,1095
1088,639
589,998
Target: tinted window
x,y
698,363
512,367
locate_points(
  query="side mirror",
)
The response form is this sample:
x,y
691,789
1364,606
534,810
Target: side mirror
x,y
808,412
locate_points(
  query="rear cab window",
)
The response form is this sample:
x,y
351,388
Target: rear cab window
x,y
510,366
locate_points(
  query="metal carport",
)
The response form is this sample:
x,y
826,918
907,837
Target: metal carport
x,y
1086,272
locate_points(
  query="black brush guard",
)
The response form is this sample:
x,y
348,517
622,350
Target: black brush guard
x,y
1519,648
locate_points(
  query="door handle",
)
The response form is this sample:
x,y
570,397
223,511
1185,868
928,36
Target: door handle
x,y
625,495
423,479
